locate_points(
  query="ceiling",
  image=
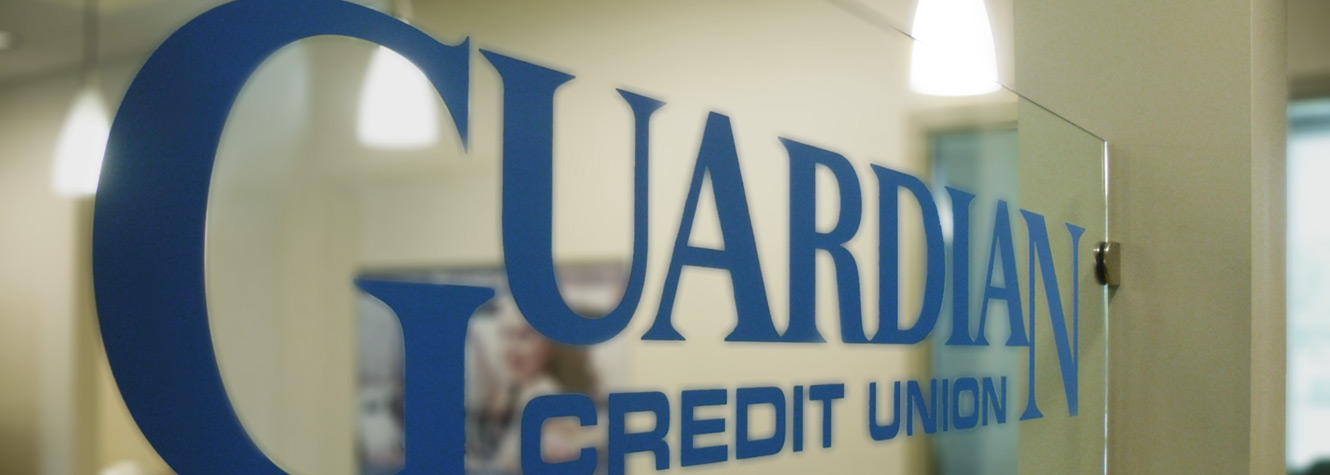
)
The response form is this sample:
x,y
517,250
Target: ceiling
x,y
50,39
49,32
1309,38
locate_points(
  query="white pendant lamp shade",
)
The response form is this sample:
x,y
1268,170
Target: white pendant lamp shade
x,y
953,49
82,143
398,107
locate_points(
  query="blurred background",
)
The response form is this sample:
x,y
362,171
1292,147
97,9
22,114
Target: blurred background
x,y
338,161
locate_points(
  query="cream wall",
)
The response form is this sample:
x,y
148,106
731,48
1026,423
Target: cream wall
x,y
36,268
1308,43
1186,121
1190,96
294,225
59,411
286,236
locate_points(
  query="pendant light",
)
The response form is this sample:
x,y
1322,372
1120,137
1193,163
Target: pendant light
x,y
953,49
82,142
398,107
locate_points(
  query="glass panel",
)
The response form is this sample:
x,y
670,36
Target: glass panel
x,y
838,274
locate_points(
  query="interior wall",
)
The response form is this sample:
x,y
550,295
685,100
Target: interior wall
x,y
1308,47
290,227
1190,96
296,413
59,412
36,310
297,392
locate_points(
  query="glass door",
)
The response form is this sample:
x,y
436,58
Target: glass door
x,y
721,237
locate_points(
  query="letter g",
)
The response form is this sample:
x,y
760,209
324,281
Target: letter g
x,y
148,233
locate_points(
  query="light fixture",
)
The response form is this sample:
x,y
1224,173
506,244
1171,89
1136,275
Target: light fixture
x,y
7,40
953,49
398,105
78,154
82,143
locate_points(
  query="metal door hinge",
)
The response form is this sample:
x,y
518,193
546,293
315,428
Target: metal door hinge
x,y
1108,263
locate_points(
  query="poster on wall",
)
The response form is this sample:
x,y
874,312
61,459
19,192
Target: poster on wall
x,y
508,364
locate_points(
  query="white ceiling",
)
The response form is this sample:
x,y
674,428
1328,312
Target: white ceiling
x,y
1309,38
49,32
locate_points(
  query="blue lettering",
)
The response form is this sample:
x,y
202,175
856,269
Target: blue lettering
x,y
528,197
959,419
1068,346
719,160
997,401
827,394
691,427
806,240
916,405
1002,248
745,398
622,443
960,267
547,407
876,429
889,259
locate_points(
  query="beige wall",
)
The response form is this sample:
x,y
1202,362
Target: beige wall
x,y
1190,97
1184,102
59,410
1309,47
281,256
36,266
